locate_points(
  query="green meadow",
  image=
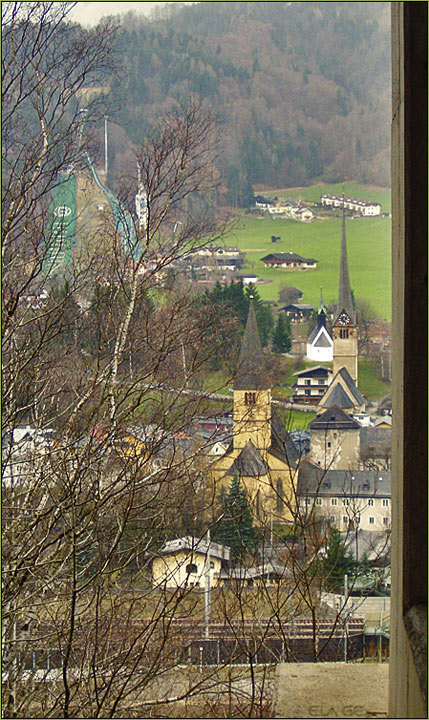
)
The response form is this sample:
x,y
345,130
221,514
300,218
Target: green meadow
x,y
369,254
312,193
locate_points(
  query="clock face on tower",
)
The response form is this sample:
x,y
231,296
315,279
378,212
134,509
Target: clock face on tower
x,y
343,319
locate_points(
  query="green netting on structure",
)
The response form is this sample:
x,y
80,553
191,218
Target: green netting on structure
x,y
123,220
59,239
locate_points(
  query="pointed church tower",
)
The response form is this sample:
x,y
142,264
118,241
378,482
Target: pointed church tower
x,y
344,329
252,395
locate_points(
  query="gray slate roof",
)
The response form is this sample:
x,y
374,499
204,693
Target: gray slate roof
x,y
249,463
334,419
282,446
351,386
339,398
196,545
250,374
316,371
314,481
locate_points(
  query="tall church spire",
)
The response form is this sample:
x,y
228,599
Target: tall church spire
x,y
251,373
345,301
321,313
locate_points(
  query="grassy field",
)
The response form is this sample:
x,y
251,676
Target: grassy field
x,y
370,383
369,254
368,246
351,189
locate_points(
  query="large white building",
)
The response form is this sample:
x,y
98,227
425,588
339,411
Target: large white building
x,y
364,207
346,499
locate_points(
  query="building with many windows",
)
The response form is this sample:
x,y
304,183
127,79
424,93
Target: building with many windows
x,y
346,499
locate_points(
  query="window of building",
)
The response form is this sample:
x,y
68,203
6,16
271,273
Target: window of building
x,y
322,382
191,568
345,519
344,333
250,398
371,520
357,519
321,392
318,501
308,501
371,502
211,565
346,501
332,518
334,501
385,502
308,392
329,444
385,521
307,382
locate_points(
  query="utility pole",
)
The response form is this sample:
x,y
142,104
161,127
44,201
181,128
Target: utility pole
x,y
105,145
207,589
345,617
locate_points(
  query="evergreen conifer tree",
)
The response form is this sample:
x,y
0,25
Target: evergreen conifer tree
x,y
236,527
282,342
337,563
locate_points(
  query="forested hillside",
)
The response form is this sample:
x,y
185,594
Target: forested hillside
x,y
302,89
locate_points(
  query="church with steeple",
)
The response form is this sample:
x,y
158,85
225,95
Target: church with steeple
x,y
344,329
343,391
335,434
261,453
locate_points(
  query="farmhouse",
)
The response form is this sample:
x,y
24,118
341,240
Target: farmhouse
x,y
311,384
288,260
264,203
366,208
297,312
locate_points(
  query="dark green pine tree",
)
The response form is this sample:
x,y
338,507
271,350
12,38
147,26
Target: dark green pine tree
x,y
263,313
337,563
282,341
236,527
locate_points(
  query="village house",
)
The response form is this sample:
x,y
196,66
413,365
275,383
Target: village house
x,y
288,260
297,312
186,562
264,203
311,384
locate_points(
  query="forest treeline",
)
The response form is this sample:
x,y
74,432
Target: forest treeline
x,y
301,89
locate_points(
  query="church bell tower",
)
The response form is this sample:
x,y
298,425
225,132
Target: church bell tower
x,y
252,395
344,329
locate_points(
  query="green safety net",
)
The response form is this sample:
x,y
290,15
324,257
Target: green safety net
x,y
60,232
123,220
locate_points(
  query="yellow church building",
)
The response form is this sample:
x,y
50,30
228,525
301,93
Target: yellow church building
x,y
261,453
